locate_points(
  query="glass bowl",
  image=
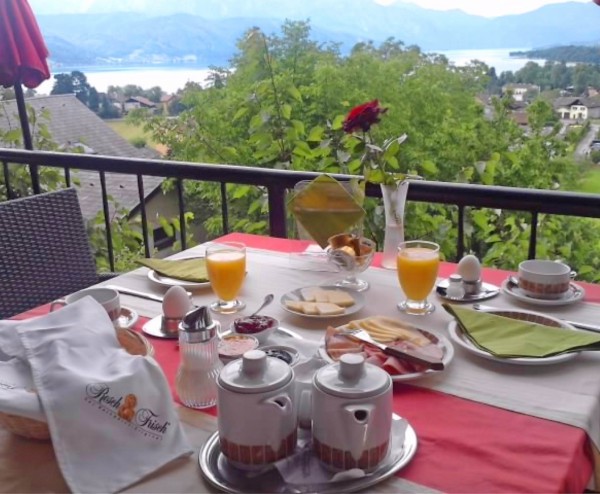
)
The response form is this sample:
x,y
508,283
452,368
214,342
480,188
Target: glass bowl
x,y
342,252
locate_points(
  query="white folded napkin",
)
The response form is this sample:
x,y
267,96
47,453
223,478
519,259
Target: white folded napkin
x,y
110,414
17,391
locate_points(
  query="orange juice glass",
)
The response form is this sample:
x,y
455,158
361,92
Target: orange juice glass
x,y
226,266
418,262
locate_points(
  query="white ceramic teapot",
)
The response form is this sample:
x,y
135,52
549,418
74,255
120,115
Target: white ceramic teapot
x,y
257,416
351,414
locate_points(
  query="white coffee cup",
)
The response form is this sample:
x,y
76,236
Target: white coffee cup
x,y
544,279
107,297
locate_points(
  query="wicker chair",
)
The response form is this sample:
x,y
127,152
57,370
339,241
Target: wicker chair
x,y
44,251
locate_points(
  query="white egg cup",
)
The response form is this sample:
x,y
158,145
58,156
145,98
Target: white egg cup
x,y
170,325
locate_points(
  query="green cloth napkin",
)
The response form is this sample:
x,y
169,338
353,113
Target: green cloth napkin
x,y
510,338
182,269
325,208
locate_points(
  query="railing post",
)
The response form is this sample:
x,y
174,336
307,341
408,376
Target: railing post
x,y
181,204
142,197
533,235
277,212
460,243
106,210
224,209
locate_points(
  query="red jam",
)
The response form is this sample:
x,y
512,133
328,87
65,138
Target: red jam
x,y
253,324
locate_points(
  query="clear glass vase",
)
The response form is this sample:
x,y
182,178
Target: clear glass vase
x,y
394,200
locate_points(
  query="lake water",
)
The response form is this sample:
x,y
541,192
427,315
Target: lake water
x,y
172,78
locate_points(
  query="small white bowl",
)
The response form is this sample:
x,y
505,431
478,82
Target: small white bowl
x,y
233,346
262,335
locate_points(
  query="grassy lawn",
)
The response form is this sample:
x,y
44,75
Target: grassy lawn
x,y
591,181
129,132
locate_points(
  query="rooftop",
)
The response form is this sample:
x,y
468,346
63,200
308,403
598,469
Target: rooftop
x,y
75,128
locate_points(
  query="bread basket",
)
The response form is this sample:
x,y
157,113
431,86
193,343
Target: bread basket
x,y
133,342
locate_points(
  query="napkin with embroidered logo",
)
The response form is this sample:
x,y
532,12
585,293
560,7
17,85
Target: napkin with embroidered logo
x,y
325,208
110,414
511,338
190,269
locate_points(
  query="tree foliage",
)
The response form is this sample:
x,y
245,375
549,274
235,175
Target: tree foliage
x,y
76,83
281,105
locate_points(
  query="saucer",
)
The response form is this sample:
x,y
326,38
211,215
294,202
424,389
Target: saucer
x,y
487,291
574,294
153,327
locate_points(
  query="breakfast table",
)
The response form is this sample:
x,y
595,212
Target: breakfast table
x,y
481,425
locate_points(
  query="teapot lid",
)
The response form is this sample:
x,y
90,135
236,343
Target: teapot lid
x,y
255,373
352,377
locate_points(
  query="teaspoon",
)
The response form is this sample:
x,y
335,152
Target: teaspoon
x,y
268,299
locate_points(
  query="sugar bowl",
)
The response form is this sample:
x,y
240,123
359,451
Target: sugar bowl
x,y
257,417
351,414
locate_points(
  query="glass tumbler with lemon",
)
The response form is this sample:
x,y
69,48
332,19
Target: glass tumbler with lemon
x,y
226,267
418,262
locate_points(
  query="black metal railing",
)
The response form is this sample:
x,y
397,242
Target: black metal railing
x,y
278,182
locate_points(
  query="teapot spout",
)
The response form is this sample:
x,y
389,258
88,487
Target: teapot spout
x,y
278,409
357,421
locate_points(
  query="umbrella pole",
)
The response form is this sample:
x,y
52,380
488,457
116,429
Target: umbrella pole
x,y
35,179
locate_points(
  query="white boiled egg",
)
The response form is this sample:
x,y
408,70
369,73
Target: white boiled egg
x,y
469,268
176,303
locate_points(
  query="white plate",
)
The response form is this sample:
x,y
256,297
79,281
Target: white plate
x,y
359,302
573,295
459,338
167,281
443,342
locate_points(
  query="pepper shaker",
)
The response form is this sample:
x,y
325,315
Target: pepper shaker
x,y
199,367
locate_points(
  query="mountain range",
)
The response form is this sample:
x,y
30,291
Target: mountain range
x,y
205,33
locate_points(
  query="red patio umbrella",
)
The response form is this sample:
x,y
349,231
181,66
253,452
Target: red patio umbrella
x,y
23,56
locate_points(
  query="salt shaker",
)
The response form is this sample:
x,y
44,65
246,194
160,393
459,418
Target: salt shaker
x,y
199,367
455,288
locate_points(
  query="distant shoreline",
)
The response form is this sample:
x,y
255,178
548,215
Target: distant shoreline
x,y
60,69
172,77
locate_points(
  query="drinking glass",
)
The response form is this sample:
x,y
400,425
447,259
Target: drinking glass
x,y
226,266
417,263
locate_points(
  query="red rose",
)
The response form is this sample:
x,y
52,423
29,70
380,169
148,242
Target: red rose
x,y
363,116
597,2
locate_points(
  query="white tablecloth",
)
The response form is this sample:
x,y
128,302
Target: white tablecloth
x,y
568,392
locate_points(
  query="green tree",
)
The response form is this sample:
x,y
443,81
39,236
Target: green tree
x,y
76,83
282,103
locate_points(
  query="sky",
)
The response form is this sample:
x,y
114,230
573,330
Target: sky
x,y
485,8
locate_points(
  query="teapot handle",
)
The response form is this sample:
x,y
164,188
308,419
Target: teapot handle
x,y
304,408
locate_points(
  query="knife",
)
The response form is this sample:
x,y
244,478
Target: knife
x,y
135,293
411,356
